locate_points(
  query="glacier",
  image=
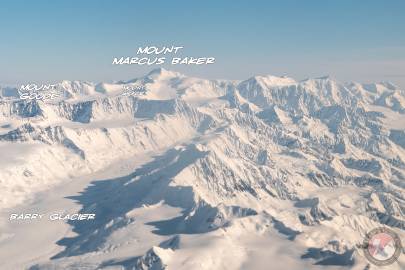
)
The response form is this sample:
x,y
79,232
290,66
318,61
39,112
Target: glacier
x,y
264,173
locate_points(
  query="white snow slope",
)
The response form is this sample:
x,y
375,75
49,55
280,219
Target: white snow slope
x,y
266,173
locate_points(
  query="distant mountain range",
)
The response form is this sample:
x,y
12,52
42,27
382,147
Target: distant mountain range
x,y
310,165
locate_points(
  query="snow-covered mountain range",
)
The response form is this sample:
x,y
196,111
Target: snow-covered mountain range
x,y
265,173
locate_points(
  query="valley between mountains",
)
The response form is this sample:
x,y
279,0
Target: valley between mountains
x,y
264,173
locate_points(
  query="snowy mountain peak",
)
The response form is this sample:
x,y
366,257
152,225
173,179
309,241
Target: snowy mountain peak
x,y
270,80
161,73
308,166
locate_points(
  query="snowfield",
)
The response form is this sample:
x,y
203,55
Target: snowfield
x,y
265,173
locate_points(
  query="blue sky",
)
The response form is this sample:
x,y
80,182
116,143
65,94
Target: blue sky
x,y
47,41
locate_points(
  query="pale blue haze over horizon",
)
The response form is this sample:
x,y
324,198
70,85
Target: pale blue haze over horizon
x,y
46,41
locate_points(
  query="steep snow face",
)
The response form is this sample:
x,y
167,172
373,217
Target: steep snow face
x,y
305,97
312,165
384,94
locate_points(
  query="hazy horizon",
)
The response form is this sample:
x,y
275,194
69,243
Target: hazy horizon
x,y
351,41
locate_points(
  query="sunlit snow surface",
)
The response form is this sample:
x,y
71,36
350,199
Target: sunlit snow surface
x,y
266,173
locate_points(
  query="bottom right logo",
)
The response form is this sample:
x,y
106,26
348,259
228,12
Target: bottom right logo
x,y
382,246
